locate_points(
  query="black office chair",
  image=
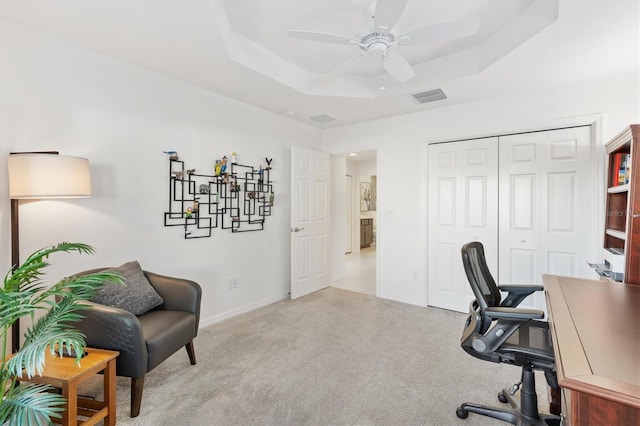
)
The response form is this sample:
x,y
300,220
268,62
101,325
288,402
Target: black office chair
x,y
498,332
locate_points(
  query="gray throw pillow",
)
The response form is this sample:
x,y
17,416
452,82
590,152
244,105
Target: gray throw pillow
x,y
136,296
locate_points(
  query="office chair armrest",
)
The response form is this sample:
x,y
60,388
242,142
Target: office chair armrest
x,y
520,288
514,314
508,322
517,293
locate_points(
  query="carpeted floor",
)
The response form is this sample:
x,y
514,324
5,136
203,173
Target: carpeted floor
x,y
334,357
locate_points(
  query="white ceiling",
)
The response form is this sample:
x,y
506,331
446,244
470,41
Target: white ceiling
x,y
239,48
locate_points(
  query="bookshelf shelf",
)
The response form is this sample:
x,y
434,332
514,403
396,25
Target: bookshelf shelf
x,y
618,189
616,234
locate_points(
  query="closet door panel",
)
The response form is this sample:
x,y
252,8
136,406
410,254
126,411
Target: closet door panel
x,y
446,188
522,202
463,204
548,184
447,273
561,263
523,268
561,202
476,193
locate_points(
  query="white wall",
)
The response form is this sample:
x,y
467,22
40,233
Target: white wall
x,y
57,96
401,143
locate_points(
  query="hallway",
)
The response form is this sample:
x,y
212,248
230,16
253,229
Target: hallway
x,y
360,272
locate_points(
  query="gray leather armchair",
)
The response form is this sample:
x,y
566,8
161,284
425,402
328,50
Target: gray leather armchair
x,y
146,340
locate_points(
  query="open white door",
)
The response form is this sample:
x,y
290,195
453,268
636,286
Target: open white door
x,y
310,214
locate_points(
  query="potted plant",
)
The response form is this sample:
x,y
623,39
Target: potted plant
x,y
23,294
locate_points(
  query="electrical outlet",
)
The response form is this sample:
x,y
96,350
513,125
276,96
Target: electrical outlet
x,y
415,275
233,282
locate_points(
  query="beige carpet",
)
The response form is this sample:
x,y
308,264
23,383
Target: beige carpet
x,y
331,358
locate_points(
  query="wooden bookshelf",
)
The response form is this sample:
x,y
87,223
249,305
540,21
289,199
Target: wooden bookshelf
x,y
622,217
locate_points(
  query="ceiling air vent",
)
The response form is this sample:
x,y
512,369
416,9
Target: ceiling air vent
x,y
429,96
322,118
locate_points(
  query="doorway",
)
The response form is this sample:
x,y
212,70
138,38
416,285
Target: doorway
x,y
360,234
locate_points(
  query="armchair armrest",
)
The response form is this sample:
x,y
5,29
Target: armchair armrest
x,y
517,293
179,294
115,329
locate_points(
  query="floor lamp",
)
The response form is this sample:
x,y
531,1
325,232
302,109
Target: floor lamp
x,y
36,176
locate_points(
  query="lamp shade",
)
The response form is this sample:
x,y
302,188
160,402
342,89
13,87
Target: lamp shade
x,y
33,176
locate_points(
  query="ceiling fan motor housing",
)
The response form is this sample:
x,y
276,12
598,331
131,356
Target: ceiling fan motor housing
x,y
377,42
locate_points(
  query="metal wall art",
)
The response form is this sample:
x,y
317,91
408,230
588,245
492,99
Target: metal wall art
x,y
235,197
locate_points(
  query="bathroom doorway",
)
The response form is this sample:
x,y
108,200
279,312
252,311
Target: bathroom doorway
x,y
360,232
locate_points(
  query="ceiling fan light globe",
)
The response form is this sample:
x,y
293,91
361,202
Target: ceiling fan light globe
x,y
378,48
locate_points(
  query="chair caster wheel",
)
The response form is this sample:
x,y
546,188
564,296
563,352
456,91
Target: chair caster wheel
x,y
502,398
462,414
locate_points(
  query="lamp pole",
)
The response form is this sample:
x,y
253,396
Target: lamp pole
x,y
15,261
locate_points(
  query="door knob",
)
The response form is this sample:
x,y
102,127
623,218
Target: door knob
x,y
296,229
523,240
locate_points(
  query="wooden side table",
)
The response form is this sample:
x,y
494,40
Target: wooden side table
x,y
65,374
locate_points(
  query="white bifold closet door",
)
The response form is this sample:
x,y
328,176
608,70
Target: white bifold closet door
x,y
463,207
529,198
548,217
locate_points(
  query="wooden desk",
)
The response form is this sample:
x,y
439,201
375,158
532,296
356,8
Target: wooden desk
x,y
64,373
595,327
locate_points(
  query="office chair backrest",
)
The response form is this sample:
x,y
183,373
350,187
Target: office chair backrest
x,y
482,283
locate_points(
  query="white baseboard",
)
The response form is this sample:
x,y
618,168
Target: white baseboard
x,y
241,310
400,299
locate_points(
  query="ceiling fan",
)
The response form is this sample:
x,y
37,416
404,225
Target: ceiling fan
x,y
383,38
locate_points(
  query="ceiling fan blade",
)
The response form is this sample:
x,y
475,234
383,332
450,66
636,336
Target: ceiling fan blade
x,y
322,37
443,31
397,67
387,13
345,66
